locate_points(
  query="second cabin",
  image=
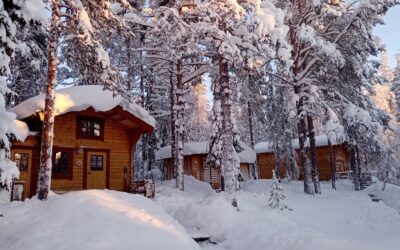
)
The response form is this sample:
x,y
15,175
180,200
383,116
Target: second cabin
x,y
95,134
195,155
266,159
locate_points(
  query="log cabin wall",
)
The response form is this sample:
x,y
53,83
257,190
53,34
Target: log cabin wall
x,y
266,162
118,144
194,166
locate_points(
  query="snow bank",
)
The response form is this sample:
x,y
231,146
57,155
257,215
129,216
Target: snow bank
x,y
92,219
341,219
80,98
320,140
198,148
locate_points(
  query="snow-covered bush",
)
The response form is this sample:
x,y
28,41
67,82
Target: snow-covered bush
x,y
276,195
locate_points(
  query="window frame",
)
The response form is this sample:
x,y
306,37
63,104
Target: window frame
x,y
81,135
66,176
18,161
97,161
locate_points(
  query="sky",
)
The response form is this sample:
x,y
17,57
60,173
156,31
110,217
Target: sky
x,y
390,33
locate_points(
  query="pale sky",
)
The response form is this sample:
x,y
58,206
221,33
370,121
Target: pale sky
x,y
390,33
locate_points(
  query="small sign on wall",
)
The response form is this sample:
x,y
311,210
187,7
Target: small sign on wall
x,y
78,163
17,190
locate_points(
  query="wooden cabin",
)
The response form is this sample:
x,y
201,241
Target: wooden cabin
x,y
266,159
94,139
195,154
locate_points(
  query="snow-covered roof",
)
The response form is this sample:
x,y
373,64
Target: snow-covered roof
x,y
198,148
79,98
320,140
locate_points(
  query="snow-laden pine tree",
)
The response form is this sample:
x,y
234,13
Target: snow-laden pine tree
x,y
197,124
396,86
276,195
235,36
176,56
15,16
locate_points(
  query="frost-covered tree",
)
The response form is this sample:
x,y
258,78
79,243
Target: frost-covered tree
x,y
276,195
396,86
14,16
197,125
385,71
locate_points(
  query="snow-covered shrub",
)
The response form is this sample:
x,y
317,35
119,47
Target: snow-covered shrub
x,y
276,195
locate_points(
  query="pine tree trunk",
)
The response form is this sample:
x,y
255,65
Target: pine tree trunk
x,y
332,165
304,163
353,166
313,155
230,165
252,165
179,109
46,149
173,119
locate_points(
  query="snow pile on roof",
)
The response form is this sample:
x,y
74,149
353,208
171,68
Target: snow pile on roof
x,y
320,140
336,219
199,148
93,219
79,98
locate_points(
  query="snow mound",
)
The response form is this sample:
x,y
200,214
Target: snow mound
x,y
171,199
199,148
92,219
337,219
79,98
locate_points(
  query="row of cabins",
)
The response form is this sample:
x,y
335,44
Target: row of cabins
x,y
95,135
195,154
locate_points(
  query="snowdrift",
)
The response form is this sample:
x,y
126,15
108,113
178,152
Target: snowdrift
x,y
92,219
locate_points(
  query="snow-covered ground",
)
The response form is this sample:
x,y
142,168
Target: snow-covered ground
x,y
341,219
94,219
90,219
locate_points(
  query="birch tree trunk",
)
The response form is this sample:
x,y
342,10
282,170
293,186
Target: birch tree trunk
x,y
313,155
179,109
230,165
46,149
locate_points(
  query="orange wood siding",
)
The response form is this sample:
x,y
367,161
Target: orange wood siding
x,y
266,162
118,140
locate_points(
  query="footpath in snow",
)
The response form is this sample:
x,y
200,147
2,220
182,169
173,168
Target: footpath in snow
x,y
341,219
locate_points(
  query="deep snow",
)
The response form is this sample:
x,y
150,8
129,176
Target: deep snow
x,y
92,219
341,219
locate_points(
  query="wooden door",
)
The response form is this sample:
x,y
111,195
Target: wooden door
x,y
96,169
23,160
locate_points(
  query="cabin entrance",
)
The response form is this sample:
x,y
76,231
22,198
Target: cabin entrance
x,y
23,160
96,169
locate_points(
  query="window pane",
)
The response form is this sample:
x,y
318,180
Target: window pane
x,y
61,163
23,165
21,161
96,163
90,128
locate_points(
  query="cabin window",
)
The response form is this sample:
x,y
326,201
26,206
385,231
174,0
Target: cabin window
x,y
62,163
90,128
96,163
21,160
